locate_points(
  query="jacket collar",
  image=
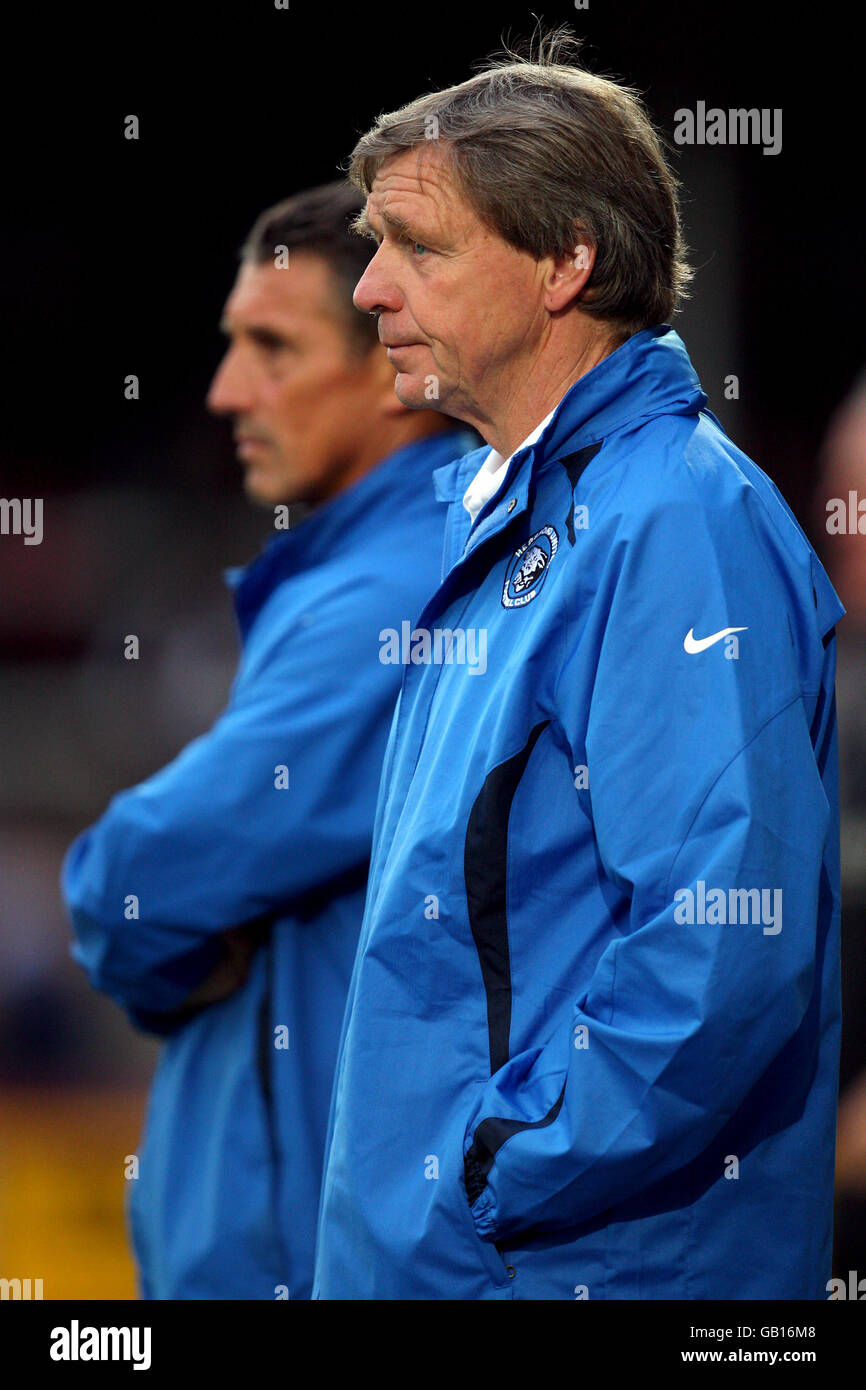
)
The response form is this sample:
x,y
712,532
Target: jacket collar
x,y
650,374
342,521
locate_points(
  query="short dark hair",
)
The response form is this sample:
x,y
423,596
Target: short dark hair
x,y
544,150
319,220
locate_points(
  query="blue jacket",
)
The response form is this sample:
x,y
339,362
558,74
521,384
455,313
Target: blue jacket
x,y
230,1168
591,1041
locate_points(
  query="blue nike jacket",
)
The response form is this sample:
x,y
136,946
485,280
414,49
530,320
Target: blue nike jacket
x,y
264,821
591,1041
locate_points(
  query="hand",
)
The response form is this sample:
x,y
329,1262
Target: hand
x,y
239,946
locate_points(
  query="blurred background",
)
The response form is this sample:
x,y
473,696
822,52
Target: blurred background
x,y
117,257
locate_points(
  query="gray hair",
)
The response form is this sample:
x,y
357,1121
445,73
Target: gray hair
x,y
545,151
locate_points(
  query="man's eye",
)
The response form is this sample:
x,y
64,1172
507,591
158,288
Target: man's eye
x,y
270,344
419,248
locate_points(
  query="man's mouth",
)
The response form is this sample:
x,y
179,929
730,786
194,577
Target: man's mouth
x,y
249,444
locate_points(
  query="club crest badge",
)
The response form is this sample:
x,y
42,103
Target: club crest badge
x,y
528,568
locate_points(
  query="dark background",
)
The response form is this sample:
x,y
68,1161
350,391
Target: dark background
x,y
118,253
117,256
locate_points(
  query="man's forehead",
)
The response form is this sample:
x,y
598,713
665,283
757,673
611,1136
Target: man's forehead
x,y
419,178
265,290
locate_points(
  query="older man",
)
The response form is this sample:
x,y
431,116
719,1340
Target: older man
x,y
220,901
592,1036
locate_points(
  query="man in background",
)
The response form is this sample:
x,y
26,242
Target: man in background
x,y
840,522
219,902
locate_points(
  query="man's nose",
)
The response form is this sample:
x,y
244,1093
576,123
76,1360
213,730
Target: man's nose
x,y
377,290
229,392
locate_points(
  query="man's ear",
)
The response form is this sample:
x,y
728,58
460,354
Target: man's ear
x,y
567,275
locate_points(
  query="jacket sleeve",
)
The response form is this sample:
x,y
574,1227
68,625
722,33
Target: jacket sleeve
x,y
705,769
273,803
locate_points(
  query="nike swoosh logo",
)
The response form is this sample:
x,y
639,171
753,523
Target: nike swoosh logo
x,y
693,644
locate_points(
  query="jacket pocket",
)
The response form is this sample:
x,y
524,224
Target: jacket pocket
x,y
493,1259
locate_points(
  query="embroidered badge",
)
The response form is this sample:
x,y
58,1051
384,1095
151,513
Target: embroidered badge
x,y
528,567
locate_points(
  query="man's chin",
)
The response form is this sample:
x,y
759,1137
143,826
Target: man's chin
x,y
416,392
262,491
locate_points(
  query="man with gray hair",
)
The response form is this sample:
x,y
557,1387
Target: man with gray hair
x,y
591,1042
